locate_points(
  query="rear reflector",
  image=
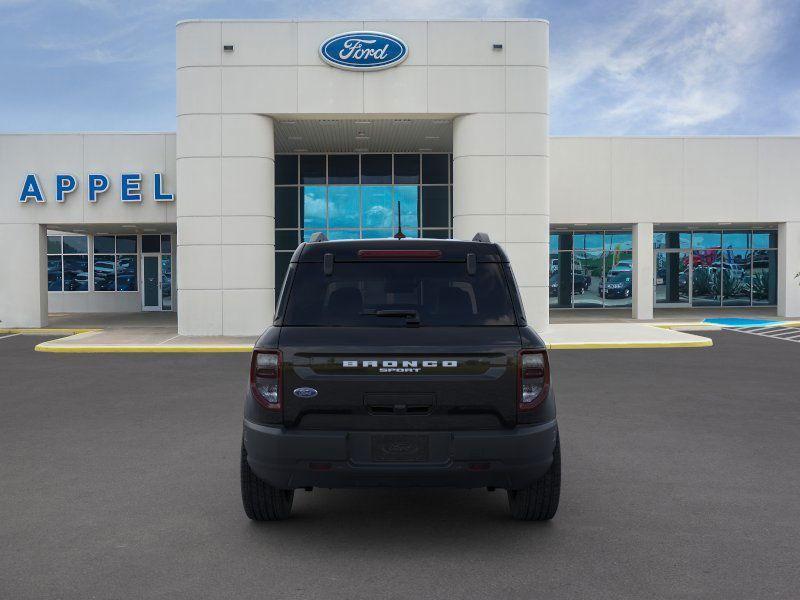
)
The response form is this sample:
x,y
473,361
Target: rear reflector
x,y
399,254
481,466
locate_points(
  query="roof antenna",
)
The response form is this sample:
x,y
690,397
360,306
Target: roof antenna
x,y
399,235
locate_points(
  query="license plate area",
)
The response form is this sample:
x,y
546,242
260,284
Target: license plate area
x,y
399,448
399,404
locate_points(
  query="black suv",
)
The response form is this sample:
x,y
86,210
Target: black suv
x,y
400,362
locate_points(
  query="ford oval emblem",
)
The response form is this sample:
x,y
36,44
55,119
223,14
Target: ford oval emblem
x,y
305,392
363,50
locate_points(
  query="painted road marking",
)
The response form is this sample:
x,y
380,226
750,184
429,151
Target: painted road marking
x,y
790,334
2,337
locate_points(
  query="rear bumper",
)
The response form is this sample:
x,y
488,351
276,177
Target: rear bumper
x,y
290,459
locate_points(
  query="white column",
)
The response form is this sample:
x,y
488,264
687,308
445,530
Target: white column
x,y
248,224
23,273
788,267
501,187
226,224
643,271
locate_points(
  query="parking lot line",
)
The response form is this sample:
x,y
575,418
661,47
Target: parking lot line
x,y
757,329
790,334
2,337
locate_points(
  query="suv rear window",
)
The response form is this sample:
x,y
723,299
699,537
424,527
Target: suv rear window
x,y
377,294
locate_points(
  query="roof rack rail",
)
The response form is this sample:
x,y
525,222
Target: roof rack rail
x,y
482,237
318,236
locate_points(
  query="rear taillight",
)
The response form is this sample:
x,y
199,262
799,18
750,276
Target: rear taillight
x,y
265,378
534,378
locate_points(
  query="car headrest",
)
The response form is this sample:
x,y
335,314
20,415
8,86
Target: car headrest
x,y
346,301
454,301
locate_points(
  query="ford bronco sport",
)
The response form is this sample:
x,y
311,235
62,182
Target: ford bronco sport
x,y
400,362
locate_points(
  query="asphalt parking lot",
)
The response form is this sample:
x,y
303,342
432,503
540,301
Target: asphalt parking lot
x,y
119,479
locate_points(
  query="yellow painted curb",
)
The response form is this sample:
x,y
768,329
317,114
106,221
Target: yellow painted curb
x,y
704,343
98,349
686,326
54,347
46,331
717,326
155,349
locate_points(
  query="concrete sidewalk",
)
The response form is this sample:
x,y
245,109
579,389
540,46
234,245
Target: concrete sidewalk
x,y
89,334
143,339
557,337
597,336
131,332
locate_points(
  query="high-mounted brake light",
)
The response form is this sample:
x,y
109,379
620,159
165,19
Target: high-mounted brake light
x,y
265,378
399,254
534,378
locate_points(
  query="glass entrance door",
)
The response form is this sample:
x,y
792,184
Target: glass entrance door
x,y
151,288
157,268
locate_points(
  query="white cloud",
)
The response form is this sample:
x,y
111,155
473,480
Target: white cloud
x,y
409,9
118,44
126,37
671,68
449,8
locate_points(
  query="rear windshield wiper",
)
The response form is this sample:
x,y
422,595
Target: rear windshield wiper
x,y
411,315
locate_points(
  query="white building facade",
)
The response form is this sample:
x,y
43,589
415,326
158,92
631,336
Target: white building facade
x,y
276,141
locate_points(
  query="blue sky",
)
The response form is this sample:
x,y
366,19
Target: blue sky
x,y
617,68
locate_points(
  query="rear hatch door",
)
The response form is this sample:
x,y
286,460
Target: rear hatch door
x,y
378,378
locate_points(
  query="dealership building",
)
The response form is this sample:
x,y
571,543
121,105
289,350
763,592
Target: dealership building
x,y
286,128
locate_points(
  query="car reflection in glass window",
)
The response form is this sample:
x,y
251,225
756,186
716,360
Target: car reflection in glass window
x,y
582,281
617,285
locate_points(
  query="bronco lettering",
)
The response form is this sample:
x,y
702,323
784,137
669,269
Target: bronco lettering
x,y
393,364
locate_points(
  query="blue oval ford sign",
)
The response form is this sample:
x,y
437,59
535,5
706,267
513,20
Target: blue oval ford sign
x,y
363,50
305,392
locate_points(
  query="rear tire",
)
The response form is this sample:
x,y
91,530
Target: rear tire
x,y
261,501
539,501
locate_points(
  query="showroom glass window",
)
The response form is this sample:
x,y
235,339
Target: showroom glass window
x,y
355,196
67,263
716,267
591,269
165,244
115,263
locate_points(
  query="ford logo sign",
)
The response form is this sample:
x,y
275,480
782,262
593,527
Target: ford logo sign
x,y
363,50
305,392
